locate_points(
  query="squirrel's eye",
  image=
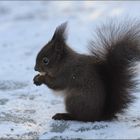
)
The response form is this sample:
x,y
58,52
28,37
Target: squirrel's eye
x,y
45,60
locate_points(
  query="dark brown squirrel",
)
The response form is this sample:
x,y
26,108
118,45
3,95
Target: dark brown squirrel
x,y
96,86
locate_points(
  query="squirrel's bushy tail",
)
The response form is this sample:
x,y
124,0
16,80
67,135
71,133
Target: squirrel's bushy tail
x,y
116,47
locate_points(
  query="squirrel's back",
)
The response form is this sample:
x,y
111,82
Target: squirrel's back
x,y
116,48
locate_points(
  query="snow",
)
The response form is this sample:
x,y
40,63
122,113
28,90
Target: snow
x,y
26,110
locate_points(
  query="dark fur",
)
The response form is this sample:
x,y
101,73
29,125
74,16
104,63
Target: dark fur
x,y
96,86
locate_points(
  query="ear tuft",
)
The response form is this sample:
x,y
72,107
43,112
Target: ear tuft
x,y
60,33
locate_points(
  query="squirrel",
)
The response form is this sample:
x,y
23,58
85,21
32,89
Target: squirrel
x,y
99,85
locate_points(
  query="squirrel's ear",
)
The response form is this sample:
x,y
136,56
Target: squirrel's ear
x,y
60,33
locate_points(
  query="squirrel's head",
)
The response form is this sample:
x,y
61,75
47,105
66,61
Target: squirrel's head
x,y
52,55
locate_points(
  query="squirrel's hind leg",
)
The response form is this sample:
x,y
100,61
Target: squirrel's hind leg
x,y
63,116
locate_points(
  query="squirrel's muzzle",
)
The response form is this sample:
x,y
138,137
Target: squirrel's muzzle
x,y
36,68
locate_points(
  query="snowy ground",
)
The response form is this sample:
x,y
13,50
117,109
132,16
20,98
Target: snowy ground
x,y
26,110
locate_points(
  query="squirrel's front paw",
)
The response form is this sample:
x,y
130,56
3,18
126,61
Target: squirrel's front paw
x,y
38,80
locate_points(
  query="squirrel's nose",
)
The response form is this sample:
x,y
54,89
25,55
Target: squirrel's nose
x,y
36,68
